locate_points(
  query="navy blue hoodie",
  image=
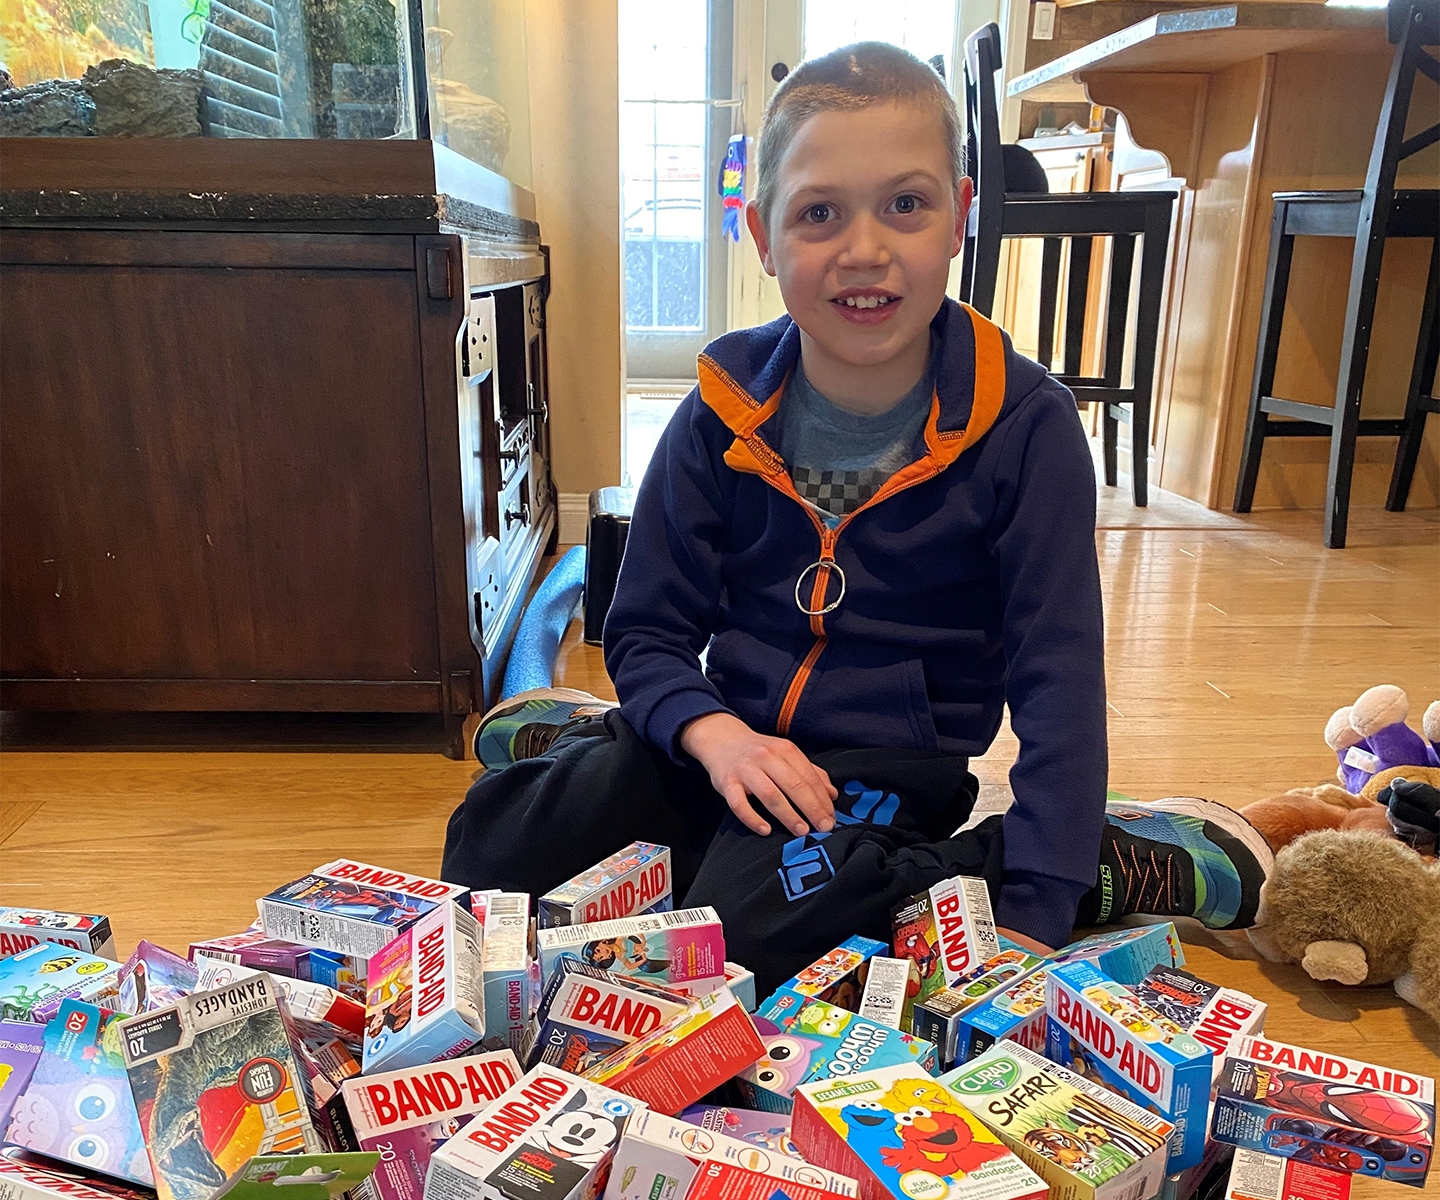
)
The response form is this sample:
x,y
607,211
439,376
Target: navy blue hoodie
x,y
968,582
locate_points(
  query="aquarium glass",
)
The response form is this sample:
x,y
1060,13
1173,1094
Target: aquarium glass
x,y
269,68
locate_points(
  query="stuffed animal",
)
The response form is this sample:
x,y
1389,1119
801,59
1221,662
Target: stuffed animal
x,y
1283,818
1370,738
1356,907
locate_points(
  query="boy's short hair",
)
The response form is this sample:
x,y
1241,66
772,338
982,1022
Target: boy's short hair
x,y
847,79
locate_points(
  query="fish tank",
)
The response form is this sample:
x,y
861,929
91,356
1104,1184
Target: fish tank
x,y
450,70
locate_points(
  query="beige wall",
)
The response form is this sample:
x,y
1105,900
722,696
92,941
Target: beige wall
x,y
573,53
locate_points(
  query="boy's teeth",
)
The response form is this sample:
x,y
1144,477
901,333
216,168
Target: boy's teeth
x,y
866,301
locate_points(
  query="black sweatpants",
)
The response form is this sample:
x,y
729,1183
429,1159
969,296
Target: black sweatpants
x,y
785,900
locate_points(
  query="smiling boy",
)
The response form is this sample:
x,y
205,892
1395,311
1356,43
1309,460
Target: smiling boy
x,y
876,522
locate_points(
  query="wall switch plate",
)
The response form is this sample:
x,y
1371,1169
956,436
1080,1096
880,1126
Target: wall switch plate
x,y
1044,27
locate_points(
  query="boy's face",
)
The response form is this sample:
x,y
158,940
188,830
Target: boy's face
x,y
863,227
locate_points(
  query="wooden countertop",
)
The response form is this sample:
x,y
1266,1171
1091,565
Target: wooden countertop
x,y
1202,40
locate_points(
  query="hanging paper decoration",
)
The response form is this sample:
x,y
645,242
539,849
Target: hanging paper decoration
x,y
732,186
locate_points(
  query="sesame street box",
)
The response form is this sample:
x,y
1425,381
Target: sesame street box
x,y
551,1136
946,931
1126,955
587,1014
938,1017
904,1136
425,991
660,1156
217,1079
837,978
1015,1013
351,907
1210,1013
684,949
819,1041
633,880
21,928
78,1107
686,1058
1098,1029
1335,1112
1086,1142
34,982
406,1114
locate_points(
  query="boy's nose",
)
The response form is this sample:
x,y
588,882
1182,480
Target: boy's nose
x,y
866,245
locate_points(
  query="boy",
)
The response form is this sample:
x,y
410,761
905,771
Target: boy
x,y
876,521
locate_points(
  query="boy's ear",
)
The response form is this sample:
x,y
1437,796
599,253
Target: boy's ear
x,y
964,197
758,232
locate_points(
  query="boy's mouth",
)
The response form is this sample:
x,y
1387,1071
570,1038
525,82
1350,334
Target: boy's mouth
x,y
866,306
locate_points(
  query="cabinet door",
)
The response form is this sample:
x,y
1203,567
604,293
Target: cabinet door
x,y
214,473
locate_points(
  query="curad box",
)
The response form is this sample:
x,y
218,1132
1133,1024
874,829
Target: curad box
x,y
1086,1142
904,1136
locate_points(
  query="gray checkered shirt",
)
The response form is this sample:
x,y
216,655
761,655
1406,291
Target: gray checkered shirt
x,y
839,459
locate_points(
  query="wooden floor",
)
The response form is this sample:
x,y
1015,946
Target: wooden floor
x,y
1230,641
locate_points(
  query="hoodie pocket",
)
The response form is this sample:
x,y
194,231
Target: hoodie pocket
x,y
884,705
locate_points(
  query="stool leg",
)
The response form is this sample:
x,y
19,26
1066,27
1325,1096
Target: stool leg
x,y
1272,316
1049,298
1153,253
1122,262
1075,291
1109,442
1422,383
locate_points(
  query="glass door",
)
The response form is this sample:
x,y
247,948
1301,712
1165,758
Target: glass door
x,y
675,119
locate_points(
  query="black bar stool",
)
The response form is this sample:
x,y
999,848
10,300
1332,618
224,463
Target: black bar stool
x,y
1369,216
1001,212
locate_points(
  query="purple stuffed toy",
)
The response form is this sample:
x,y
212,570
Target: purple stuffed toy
x,y
1371,736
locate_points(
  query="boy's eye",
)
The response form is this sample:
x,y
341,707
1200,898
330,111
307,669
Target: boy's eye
x,y
907,204
817,214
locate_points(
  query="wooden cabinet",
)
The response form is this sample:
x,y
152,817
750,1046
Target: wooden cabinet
x,y
267,470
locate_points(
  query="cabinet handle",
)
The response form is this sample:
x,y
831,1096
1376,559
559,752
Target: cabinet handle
x,y
522,515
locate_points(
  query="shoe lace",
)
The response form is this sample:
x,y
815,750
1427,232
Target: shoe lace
x,y
1142,872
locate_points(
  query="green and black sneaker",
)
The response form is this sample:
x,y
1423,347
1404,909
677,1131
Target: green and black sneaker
x,y
1179,857
525,725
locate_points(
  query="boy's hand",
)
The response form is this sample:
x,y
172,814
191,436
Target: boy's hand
x,y
743,763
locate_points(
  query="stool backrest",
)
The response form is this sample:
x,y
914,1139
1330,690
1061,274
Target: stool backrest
x,y
1412,25
986,167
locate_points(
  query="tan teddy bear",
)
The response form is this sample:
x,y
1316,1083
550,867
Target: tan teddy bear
x,y
1356,907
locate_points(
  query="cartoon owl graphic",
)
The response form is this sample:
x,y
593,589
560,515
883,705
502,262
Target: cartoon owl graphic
x,y
786,1060
81,1118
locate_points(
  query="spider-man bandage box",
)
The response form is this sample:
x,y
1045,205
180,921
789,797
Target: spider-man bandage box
x,y
406,1114
1208,1012
684,949
633,880
1099,1029
351,907
947,931
1086,1142
217,1079
686,1058
425,992
1324,1109
904,1136
660,1156
551,1136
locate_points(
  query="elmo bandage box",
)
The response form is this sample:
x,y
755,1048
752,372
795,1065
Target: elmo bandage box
x,y
663,1157
21,928
352,908
1098,1029
631,881
425,993
1086,1142
550,1137
689,1056
1346,1115
406,1114
947,932
1209,1013
903,1136
684,949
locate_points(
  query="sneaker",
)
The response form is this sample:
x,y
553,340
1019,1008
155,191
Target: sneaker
x,y
525,725
1181,857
